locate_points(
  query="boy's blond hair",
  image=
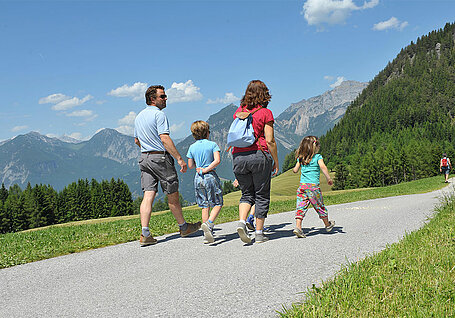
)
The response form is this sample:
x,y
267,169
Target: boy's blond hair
x,y
200,129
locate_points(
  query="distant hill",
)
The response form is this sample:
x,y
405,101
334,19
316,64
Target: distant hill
x,y
39,159
398,127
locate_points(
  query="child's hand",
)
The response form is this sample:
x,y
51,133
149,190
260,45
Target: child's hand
x,y
330,182
235,183
200,170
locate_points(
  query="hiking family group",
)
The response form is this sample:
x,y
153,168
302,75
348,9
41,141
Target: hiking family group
x,y
255,161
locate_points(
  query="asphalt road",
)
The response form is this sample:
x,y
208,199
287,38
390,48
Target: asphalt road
x,y
181,277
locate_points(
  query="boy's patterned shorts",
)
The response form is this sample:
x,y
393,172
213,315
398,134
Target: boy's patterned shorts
x,y
310,193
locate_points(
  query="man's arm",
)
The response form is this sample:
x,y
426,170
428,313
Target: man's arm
x,y
170,147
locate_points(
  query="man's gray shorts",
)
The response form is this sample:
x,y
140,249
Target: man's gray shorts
x,y
158,167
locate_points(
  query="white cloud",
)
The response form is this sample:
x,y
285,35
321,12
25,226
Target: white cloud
x,y
392,23
176,127
70,103
328,78
135,91
81,113
101,102
128,119
183,92
340,79
75,135
126,124
317,12
63,102
19,128
125,129
53,99
227,99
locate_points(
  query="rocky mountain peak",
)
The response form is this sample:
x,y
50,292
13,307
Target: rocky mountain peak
x,y
296,118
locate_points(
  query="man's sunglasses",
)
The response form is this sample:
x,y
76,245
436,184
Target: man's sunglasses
x,y
163,96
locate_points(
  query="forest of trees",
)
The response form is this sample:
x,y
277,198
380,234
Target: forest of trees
x,y
399,126
41,205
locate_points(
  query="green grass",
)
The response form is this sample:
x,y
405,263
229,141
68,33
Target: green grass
x,y
412,278
29,246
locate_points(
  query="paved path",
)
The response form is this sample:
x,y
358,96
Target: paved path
x,y
181,277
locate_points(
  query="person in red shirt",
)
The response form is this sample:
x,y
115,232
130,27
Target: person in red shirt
x,y
445,166
255,165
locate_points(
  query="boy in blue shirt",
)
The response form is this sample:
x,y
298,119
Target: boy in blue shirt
x,y
204,155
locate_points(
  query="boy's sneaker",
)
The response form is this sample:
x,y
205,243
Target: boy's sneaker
x,y
260,238
299,233
241,229
190,229
330,227
267,229
208,234
147,240
250,223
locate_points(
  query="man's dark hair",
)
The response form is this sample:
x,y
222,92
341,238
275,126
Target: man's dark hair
x,y
150,94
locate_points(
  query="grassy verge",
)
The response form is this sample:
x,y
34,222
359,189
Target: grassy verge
x,y
24,247
412,278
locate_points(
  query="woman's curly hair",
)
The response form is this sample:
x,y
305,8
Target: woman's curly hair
x,y
256,94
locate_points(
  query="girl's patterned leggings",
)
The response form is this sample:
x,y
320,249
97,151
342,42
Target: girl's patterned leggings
x,y
309,193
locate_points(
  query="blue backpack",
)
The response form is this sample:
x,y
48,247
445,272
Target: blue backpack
x,y
241,132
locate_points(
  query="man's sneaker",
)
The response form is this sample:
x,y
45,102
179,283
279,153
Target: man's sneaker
x,y
250,223
260,238
241,229
208,234
330,227
147,240
299,233
190,229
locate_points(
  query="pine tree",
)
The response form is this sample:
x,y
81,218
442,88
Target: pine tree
x,y
289,161
5,221
3,193
14,209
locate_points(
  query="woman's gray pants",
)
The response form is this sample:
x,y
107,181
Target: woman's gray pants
x,y
253,170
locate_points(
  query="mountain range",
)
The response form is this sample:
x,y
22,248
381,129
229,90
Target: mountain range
x,y
109,154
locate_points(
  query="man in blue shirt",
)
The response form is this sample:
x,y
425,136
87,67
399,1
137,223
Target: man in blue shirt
x,y
151,132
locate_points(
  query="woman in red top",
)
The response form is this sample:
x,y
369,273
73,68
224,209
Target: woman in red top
x,y
255,165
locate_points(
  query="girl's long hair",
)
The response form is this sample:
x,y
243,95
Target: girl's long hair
x,y
256,94
308,147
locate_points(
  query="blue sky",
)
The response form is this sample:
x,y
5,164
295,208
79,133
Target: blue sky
x,y
74,67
